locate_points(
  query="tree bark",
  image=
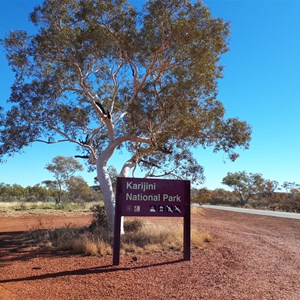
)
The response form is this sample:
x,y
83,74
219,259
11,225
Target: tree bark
x,y
108,194
126,168
104,178
125,173
107,191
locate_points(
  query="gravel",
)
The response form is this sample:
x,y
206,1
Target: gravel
x,y
250,257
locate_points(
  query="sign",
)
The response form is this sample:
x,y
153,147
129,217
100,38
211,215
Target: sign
x,y
152,197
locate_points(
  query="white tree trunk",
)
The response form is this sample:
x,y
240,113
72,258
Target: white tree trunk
x,y
125,173
105,181
126,168
108,195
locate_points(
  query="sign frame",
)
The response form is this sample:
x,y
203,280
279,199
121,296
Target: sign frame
x,y
166,183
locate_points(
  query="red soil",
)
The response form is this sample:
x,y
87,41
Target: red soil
x,y
251,257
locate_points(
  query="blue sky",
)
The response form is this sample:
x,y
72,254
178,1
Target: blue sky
x,y
260,86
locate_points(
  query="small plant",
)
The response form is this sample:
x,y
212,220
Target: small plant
x,y
133,225
199,239
99,218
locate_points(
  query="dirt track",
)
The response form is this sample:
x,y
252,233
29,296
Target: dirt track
x,y
251,257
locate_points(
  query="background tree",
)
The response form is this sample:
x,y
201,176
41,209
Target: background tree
x,y
40,193
267,188
9,192
201,196
103,76
244,185
222,197
292,188
79,190
63,169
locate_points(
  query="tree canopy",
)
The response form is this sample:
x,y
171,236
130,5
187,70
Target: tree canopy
x,y
251,185
102,75
63,170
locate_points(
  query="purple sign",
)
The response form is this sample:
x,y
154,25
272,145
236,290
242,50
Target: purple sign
x,y
152,197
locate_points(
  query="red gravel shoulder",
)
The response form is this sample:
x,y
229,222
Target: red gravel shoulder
x,y
251,257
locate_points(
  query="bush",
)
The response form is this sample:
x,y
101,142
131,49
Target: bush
x,y
133,225
100,221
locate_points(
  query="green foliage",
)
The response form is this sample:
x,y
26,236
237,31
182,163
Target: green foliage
x,y
17,192
63,169
200,196
102,75
99,218
79,190
40,193
224,197
14,190
245,185
291,187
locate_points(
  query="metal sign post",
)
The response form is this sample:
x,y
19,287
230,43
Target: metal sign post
x,y
152,197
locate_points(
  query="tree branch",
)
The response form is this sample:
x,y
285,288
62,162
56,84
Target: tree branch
x,y
50,141
116,86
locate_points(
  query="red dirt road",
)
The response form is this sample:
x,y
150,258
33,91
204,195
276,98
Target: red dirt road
x,y
251,257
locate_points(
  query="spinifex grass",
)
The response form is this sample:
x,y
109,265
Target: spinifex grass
x,y
141,236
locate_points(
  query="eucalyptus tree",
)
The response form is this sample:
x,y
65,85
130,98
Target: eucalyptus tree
x,y
248,186
106,76
63,170
291,188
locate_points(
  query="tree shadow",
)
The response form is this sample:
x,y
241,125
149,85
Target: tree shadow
x,y
87,271
19,246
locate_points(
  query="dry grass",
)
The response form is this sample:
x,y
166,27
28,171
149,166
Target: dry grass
x,y
19,206
197,211
44,208
89,246
151,238
199,239
156,238
83,242
143,237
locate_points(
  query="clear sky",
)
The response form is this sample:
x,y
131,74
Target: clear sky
x,y
260,85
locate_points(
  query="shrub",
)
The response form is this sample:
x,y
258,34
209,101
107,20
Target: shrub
x,y
133,225
99,218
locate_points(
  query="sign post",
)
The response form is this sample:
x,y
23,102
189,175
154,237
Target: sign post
x,y
152,197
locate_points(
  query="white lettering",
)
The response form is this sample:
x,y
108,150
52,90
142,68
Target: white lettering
x,y
142,197
169,198
143,186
